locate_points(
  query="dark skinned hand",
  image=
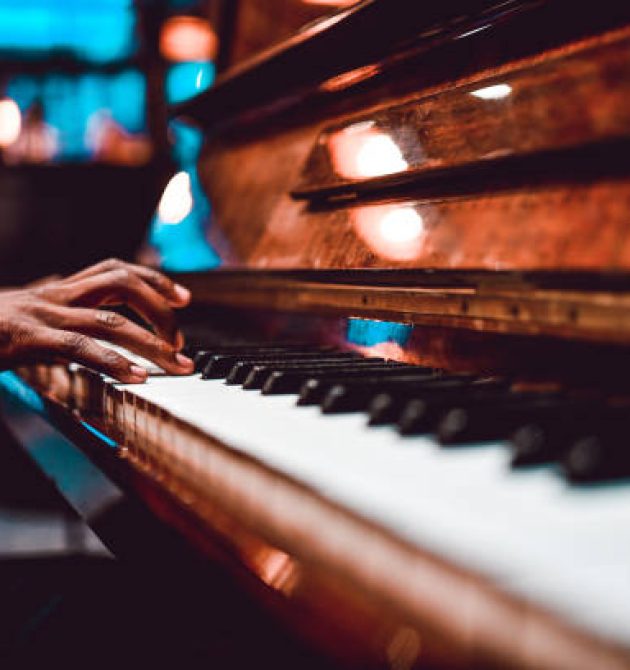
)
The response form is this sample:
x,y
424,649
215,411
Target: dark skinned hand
x,y
61,319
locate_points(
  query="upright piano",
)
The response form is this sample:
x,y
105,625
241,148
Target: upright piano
x,y
408,430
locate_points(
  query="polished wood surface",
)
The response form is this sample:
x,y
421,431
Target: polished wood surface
x,y
479,302
260,24
531,184
570,101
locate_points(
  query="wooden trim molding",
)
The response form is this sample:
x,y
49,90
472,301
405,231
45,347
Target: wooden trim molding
x,y
496,307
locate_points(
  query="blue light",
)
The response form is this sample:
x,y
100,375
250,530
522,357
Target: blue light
x,y
17,388
71,102
185,80
187,143
365,333
97,30
183,247
101,436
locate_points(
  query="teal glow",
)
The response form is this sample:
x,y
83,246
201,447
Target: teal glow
x,y
73,103
365,333
187,142
95,30
16,388
185,80
101,436
183,247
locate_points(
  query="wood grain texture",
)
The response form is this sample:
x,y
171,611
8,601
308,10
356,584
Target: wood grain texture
x,y
260,24
573,100
594,316
564,206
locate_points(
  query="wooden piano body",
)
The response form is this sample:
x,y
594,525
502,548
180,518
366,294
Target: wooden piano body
x,y
458,167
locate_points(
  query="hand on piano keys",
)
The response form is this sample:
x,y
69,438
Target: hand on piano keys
x,y
439,460
61,319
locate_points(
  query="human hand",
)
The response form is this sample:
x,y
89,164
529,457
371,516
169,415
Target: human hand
x,y
61,318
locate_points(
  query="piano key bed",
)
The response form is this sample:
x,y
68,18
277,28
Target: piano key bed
x,y
378,470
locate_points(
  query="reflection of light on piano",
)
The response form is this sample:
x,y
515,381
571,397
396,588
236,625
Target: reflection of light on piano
x,y
362,151
277,569
177,201
368,333
10,122
391,231
347,79
331,3
473,31
495,92
188,38
402,225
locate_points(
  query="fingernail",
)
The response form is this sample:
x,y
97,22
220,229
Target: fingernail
x,y
139,373
179,339
182,293
184,361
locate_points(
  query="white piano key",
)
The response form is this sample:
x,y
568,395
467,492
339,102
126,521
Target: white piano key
x,y
566,548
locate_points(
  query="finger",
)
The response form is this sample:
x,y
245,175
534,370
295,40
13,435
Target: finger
x,y
83,349
122,287
117,329
176,294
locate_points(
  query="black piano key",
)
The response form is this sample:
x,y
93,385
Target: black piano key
x,y
291,381
547,438
600,451
220,365
494,418
408,407
356,397
314,390
201,355
597,458
241,370
261,372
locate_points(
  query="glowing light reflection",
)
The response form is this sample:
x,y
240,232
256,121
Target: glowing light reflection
x,y
188,38
331,3
10,122
177,201
391,231
495,92
363,151
183,80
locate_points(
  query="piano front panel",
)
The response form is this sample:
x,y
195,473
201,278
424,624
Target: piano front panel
x,y
516,167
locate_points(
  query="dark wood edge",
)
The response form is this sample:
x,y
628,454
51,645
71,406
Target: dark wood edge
x,y
593,316
352,38
570,280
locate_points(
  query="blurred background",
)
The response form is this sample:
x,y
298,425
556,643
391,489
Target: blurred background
x,y
90,166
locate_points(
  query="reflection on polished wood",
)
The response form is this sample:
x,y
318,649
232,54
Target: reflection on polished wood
x,y
560,103
559,202
260,24
491,304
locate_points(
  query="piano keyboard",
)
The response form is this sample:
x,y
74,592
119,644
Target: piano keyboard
x,y
473,470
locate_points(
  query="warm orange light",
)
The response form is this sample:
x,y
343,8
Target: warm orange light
x,y
10,122
187,38
362,151
331,3
393,232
